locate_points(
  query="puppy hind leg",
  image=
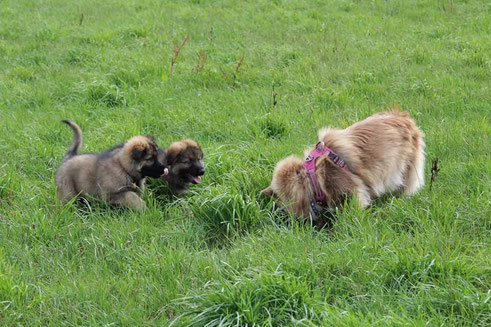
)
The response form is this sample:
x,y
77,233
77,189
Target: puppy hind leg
x,y
65,192
130,200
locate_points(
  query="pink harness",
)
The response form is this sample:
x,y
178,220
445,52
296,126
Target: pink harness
x,y
309,164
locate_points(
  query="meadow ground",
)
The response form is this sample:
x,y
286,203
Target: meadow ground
x,y
222,255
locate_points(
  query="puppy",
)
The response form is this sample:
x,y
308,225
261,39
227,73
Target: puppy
x,y
116,175
383,153
185,161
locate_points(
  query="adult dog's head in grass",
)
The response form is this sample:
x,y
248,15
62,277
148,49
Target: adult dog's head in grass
x,y
292,190
383,153
185,161
116,175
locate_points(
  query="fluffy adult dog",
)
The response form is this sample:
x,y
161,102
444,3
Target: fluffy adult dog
x,y
116,175
383,153
185,161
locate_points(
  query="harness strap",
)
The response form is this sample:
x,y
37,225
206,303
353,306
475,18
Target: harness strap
x,y
309,164
320,196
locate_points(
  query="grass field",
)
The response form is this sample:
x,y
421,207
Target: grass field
x,y
221,255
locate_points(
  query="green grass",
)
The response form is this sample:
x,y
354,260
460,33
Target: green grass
x,y
222,255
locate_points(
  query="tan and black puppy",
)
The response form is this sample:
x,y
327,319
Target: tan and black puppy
x,y
116,175
185,161
383,153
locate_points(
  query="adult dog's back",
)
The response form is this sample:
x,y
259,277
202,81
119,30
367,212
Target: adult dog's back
x,y
385,150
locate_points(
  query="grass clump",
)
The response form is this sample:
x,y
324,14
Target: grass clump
x,y
272,128
104,94
225,213
252,299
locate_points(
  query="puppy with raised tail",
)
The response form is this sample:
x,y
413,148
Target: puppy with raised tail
x,y
383,153
116,176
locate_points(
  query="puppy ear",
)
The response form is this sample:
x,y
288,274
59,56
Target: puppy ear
x,y
138,153
170,156
161,155
268,191
152,142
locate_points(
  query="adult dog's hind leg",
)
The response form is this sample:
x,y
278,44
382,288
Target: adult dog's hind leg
x,y
415,174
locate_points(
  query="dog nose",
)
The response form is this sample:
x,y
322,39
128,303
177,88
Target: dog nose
x,y
201,171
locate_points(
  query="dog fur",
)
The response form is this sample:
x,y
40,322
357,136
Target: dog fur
x,y
384,153
185,161
116,175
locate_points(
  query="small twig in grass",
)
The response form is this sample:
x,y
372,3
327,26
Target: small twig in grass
x,y
448,8
434,171
201,61
236,71
9,199
81,19
223,72
177,50
274,94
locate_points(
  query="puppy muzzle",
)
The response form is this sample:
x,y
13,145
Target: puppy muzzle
x,y
155,171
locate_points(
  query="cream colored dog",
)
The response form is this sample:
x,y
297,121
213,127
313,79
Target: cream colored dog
x,y
383,153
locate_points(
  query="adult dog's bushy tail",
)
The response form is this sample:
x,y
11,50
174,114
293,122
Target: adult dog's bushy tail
x,y
77,139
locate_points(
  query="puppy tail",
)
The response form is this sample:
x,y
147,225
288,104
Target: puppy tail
x,y
77,139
